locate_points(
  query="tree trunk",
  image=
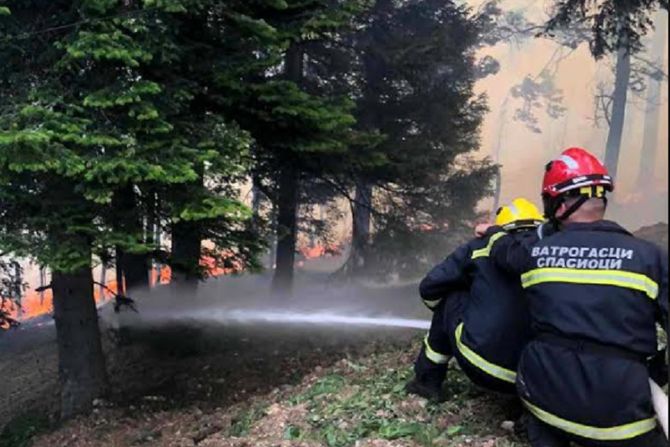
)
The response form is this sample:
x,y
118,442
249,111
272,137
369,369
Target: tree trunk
x,y
43,281
132,267
81,364
652,114
272,255
497,156
613,147
256,197
360,240
154,229
118,272
496,192
287,206
135,270
186,245
287,228
103,282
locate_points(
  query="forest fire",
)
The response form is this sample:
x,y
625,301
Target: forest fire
x,y
34,303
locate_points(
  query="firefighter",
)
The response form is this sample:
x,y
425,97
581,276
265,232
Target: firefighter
x,y
594,293
478,314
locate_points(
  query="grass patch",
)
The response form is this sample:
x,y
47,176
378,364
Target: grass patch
x,y
367,400
22,429
368,403
326,385
242,423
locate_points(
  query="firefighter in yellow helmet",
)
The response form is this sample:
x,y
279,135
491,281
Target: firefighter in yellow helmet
x,y
478,314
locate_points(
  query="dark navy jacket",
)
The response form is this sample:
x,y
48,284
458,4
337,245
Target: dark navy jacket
x,y
594,283
495,318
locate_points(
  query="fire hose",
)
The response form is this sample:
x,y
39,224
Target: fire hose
x,y
660,400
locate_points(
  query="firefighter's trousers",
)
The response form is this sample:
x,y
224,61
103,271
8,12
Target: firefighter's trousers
x,y
440,345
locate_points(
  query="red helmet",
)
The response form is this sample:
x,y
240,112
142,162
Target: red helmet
x,y
575,168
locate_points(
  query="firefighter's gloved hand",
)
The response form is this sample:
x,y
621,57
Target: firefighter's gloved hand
x,y
658,368
482,228
432,304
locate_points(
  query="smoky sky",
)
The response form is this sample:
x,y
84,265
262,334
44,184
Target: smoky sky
x,y
524,153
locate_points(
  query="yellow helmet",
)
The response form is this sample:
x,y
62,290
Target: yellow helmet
x,y
521,213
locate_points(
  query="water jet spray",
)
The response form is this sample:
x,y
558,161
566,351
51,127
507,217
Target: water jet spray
x,y
250,316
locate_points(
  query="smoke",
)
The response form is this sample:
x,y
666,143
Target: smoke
x,y
523,154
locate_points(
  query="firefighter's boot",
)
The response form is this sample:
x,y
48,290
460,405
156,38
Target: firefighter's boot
x,y
429,379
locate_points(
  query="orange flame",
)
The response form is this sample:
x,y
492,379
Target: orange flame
x,y
320,251
34,304
209,264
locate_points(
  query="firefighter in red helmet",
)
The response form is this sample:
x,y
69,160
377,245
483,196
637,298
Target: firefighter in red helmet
x,y
595,294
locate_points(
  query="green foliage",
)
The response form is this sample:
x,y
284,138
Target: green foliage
x,y
417,72
172,6
180,101
242,423
362,400
371,417
326,385
289,123
110,109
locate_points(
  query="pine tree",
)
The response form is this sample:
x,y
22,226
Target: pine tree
x,y
418,72
300,132
102,108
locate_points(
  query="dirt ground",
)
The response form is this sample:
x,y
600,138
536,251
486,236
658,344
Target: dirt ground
x,y
357,401
170,366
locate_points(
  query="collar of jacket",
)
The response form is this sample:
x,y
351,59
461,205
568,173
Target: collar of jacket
x,y
600,225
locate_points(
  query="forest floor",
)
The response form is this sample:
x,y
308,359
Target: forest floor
x,y
337,396
250,386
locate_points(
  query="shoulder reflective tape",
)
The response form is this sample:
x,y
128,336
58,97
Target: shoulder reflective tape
x,y
484,252
432,304
489,368
617,278
433,355
617,433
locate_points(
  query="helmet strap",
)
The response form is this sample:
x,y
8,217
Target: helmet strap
x,y
573,208
551,205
